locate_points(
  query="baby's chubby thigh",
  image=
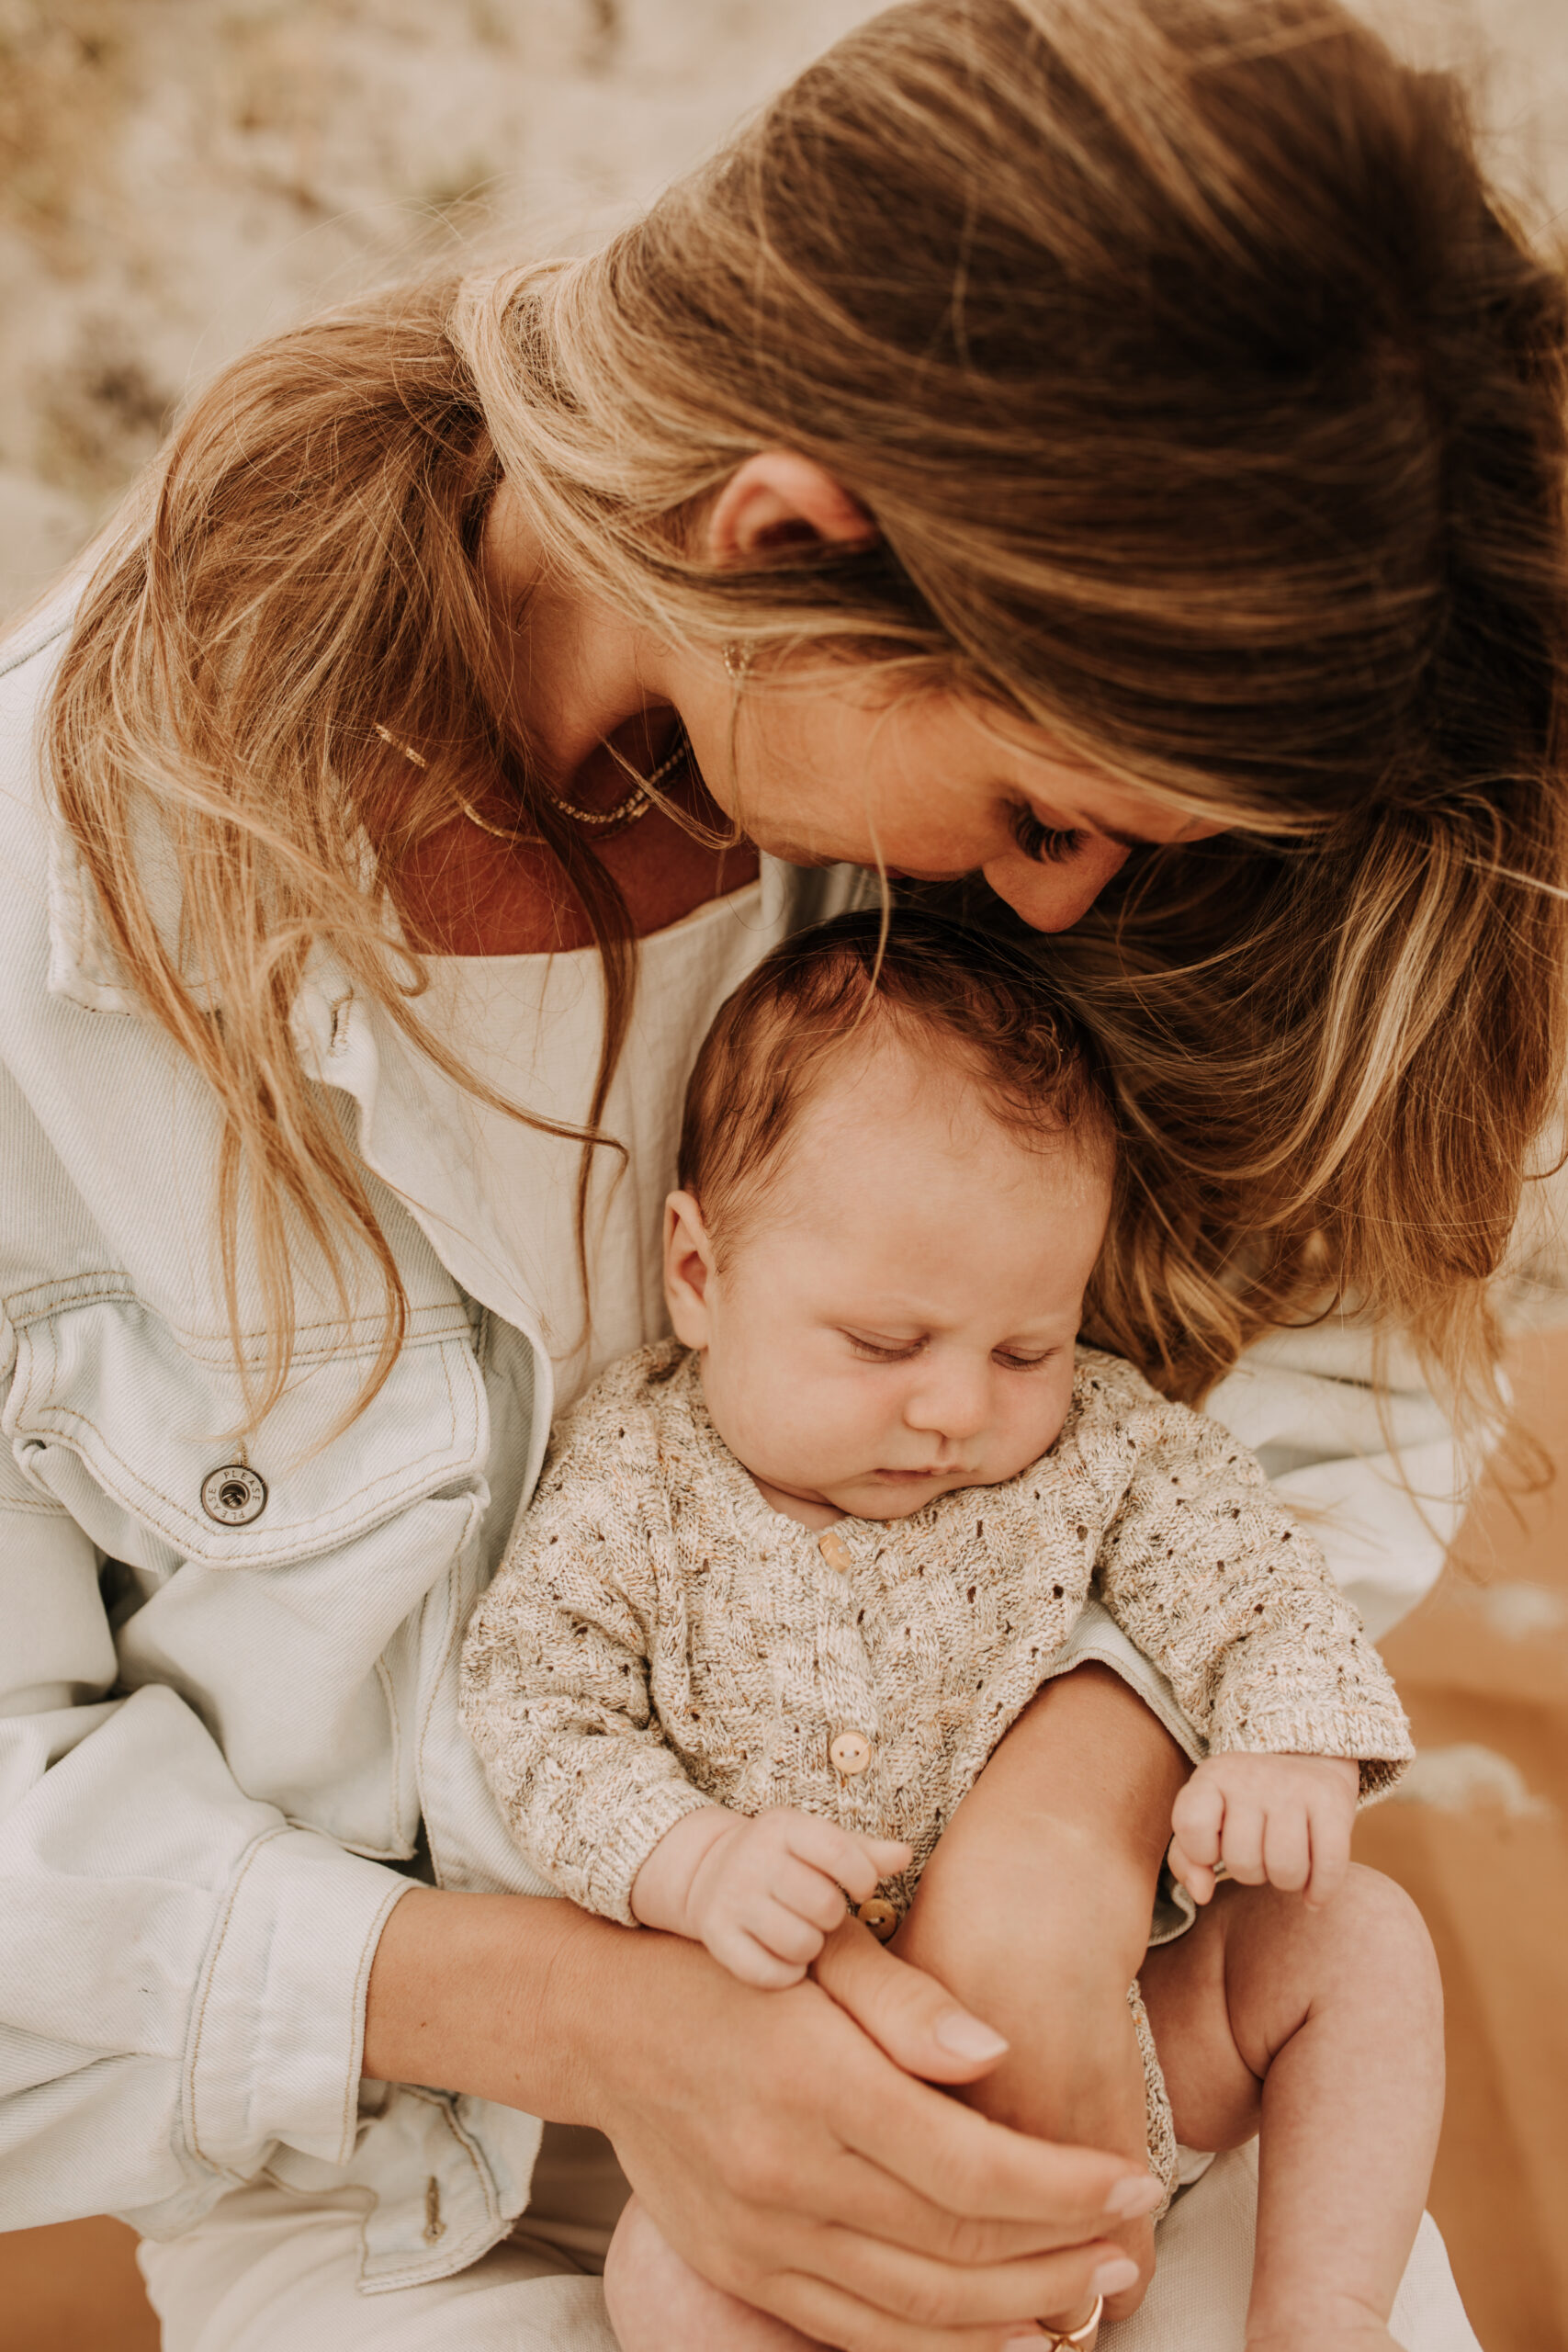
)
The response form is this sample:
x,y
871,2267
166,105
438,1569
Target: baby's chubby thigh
x,y
656,2302
1215,2096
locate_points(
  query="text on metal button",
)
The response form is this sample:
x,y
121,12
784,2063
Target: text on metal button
x,y
233,1495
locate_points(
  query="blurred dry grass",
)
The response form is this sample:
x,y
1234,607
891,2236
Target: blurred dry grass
x,y
1483,1667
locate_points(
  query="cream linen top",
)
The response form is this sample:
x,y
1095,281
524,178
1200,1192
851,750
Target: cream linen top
x,y
659,1638
531,1027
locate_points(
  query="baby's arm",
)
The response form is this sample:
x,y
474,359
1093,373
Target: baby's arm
x,y
555,1694
1235,1603
762,1895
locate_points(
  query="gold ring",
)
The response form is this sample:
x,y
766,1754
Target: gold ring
x,y
1079,2337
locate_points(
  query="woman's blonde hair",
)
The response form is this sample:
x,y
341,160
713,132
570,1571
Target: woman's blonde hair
x,y
1212,412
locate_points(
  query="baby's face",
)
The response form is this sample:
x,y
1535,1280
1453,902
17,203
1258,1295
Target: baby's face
x,y
896,1318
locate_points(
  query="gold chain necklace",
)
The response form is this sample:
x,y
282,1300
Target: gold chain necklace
x,y
604,822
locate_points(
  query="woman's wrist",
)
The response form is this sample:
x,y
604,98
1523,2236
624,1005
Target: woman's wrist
x,y
488,1995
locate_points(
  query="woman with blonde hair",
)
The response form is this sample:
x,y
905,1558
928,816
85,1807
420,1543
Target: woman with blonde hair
x,y
1106,459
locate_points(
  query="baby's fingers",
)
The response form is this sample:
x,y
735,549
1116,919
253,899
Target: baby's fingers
x,y
1241,1842
1198,1817
1287,1848
855,1863
1197,1878
1329,1831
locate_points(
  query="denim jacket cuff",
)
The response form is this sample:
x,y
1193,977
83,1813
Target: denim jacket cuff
x,y
277,2030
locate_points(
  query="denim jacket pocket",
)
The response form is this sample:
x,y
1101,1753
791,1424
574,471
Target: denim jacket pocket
x,y
125,1428
297,1636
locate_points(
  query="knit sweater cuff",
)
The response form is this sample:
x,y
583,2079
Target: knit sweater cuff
x,y
1376,1738
634,1829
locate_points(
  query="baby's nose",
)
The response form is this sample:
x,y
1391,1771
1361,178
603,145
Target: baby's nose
x,y
954,1399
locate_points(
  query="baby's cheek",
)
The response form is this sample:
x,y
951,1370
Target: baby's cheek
x,y
1039,1417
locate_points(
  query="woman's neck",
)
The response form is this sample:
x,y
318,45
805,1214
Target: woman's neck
x,y
466,893
597,704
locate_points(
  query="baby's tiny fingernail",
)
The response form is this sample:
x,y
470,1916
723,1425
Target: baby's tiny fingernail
x,y
1111,2277
967,2037
1137,2192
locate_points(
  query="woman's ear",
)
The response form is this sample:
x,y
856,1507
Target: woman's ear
x,y
688,1269
778,502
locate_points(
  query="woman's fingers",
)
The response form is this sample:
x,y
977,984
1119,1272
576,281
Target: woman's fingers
x,y
881,2304
906,2012
918,2288
963,2165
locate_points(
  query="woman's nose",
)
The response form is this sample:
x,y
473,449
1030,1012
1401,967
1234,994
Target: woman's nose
x,y
1052,898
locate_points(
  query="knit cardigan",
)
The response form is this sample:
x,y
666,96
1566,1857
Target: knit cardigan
x,y
659,1638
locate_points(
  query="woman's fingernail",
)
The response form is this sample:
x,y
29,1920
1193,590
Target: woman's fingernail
x,y
1111,2277
1137,2192
967,2037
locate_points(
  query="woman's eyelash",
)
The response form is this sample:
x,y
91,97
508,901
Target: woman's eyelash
x,y
1047,844
1022,1363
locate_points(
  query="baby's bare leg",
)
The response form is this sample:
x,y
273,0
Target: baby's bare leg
x,y
1325,2029
658,2303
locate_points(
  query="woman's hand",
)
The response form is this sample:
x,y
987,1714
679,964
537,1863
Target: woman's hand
x,y
783,2141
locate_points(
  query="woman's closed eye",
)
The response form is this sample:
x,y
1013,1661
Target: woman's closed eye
x,y
1047,845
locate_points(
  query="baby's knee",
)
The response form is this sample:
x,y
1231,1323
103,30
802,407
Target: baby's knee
x,y
1380,1927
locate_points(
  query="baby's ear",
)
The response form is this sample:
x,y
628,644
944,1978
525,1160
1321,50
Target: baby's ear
x,y
688,1269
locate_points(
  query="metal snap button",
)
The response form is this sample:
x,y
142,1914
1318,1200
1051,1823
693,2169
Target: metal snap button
x,y
880,1915
850,1753
234,1495
835,1551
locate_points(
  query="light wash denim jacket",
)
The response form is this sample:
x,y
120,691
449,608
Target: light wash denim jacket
x,y
218,1741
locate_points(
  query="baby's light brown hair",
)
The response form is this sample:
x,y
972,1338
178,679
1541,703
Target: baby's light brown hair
x,y
986,1013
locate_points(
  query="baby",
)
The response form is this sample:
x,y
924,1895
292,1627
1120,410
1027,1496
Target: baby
x,y
789,1579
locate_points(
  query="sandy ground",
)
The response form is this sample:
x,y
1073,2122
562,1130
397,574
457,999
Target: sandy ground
x,y
177,177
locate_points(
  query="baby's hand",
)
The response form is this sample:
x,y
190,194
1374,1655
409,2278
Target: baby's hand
x,y
762,1895
1283,1819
